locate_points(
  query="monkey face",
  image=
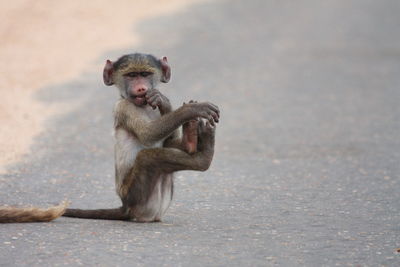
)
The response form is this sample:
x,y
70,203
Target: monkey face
x,y
137,84
135,74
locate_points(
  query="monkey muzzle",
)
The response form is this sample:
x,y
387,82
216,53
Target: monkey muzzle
x,y
138,100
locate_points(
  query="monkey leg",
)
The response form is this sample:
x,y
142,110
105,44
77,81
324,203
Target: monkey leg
x,y
189,136
148,186
168,160
206,138
153,163
147,191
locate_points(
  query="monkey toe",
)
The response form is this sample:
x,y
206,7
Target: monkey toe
x,y
190,135
206,128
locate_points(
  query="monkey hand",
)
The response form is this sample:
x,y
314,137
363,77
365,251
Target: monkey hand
x,y
204,110
206,135
157,100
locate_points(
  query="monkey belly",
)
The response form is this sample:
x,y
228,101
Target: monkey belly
x,y
158,202
126,148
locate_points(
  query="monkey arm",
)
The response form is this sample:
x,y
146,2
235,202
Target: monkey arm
x,y
131,118
166,107
151,132
148,132
156,99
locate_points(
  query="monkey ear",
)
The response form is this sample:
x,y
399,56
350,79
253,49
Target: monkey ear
x,y
107,73
166,70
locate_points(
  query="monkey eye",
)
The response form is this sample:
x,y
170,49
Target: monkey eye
x,y
145,73
132,74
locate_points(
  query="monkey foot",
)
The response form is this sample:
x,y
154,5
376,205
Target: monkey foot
x,y
189,138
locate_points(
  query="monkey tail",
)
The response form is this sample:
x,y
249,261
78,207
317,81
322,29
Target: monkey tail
x,y
20,215
103,214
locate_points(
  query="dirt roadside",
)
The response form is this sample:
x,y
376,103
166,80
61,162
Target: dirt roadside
x,y
46,42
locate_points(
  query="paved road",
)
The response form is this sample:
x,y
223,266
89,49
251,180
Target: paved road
x,y
306,170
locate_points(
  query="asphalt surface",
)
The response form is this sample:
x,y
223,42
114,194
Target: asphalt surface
x,y
306,169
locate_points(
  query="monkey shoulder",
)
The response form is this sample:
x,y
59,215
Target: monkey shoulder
x,y
124,111
133,122
127,110
123,106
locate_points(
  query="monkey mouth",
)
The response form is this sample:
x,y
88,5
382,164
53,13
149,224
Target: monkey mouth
x,y
139,100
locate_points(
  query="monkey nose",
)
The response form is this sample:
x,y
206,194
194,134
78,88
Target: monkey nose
x,y
141,90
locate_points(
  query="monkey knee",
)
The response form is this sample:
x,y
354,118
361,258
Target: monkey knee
x,y
203,168
140,157
204,165
143,158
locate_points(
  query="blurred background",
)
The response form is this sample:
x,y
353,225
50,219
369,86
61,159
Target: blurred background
x,y
46,42
306,169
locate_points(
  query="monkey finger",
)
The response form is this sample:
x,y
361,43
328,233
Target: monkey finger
x,y
155,100
211,120
201,124
150,94
152,104
218,112
215,116
200,127
150,101
216,109
153,91
157,103
213,107
152,98
208,126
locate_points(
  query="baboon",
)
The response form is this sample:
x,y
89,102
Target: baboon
x,y
148,148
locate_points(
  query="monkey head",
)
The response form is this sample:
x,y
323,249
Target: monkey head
x,y
135,74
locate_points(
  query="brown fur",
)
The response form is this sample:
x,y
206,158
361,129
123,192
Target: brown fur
x,y
148,148
32,214
137,63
